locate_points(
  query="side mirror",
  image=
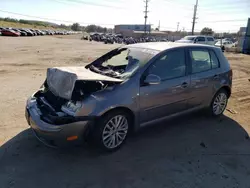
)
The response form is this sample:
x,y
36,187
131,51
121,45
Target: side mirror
x,y
152,79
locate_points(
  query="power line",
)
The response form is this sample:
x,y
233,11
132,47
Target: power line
x,y
212,7
226,10
51,19
87,3
179,5
234,2
217,21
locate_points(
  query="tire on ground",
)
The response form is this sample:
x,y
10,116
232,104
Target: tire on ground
x,y
214,98
100,125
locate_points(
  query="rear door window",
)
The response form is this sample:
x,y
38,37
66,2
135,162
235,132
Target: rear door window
x,y
214,60
201,39
200,60
210,39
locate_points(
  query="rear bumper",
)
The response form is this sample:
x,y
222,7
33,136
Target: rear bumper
x,y
55,135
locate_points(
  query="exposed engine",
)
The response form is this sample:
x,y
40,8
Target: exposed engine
x,y
51,105
83,89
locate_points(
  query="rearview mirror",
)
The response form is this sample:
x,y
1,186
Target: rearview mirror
x,y
152,79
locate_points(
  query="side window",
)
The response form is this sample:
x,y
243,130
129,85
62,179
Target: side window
x,y
200,39
200,60
214,60
210,39
171,65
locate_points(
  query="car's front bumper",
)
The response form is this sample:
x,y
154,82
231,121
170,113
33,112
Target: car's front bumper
x,y
55,135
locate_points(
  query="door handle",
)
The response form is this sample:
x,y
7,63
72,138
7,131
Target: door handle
x,y
184,84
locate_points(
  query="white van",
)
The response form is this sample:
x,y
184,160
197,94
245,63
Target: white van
x,y
209,40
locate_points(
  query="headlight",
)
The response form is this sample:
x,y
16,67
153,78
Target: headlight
x,y
71,107
29,100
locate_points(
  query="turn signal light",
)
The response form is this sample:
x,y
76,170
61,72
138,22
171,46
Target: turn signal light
x,y
72,138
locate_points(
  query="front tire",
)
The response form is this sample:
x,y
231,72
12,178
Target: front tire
x,y
111,130
219,103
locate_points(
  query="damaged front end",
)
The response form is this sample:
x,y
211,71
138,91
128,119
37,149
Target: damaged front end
x,y
74,82
63,112
58,111
64,91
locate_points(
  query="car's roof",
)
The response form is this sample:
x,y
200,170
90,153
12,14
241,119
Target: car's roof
x,y
161,46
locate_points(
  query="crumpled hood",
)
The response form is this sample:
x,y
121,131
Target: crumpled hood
x,y
61,80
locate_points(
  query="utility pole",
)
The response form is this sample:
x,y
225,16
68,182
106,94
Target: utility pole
x,y
194,17
146,16
178,23
159,25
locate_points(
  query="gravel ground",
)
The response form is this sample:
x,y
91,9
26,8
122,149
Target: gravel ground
x,y
191,151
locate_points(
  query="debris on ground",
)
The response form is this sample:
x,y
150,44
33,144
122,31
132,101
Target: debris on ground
x,y
231,111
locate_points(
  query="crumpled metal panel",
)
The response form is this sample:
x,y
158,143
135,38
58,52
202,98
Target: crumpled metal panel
x,y
61,80
61,83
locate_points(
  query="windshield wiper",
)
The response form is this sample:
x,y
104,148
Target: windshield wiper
x,y
94,69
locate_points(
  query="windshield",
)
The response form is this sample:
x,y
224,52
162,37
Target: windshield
x,y
122,63
188,38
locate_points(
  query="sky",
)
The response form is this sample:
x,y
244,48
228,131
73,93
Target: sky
x,y
220,15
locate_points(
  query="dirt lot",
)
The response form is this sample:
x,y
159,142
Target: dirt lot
x,y
197,152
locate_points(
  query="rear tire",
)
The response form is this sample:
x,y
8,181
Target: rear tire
x,y
223,48
219,103
111,131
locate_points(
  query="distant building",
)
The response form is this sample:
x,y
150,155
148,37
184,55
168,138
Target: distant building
x,y
137,31
242,29
126,28
246,42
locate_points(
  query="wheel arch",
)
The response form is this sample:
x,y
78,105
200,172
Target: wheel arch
x,y
227,89
224,87
126,110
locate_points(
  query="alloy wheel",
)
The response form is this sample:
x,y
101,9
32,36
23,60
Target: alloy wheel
x,y
115,131
219,103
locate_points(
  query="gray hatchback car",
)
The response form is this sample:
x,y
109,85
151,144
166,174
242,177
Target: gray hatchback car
x,y
126,89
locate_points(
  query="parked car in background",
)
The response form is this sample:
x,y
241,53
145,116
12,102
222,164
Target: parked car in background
x,y
126,89
224,44
33,32
10,32
29,33
38,32
209,40
23,33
